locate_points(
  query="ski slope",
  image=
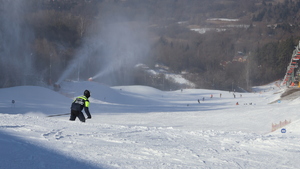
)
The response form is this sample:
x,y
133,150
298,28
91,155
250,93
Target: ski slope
x,y
139,127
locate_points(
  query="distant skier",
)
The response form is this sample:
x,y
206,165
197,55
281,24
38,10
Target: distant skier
x,y
78,104
13,103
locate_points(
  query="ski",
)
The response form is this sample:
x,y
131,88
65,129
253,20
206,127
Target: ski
x,y
58,115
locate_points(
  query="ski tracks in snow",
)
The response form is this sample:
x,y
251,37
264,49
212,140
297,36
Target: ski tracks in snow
x,y
132,146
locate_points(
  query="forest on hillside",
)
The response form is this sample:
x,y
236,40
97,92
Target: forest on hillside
x,y
40,40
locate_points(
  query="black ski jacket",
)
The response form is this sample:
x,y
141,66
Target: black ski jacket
x,y
81,102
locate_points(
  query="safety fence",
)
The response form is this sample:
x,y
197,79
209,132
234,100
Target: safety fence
x,y
281,124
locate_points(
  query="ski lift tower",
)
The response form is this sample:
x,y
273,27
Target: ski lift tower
x,y
292,68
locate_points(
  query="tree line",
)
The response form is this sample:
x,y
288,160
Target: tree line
x,y
50,33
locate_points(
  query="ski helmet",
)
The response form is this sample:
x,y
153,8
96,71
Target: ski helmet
x,y
87,93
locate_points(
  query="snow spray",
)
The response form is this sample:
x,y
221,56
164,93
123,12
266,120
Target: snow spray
x,y
113,46
15,55
112,65
81,58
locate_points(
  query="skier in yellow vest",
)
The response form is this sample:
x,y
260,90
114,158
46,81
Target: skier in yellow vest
x,y
78,104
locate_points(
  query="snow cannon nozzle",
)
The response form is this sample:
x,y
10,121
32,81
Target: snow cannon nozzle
x,y
90,79
56,87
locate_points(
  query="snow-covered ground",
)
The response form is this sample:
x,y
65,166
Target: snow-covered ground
x,y
136,127
204,30
223,19
221,28
161,69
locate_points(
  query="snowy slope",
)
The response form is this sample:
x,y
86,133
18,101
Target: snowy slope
x,y
32,99
142,127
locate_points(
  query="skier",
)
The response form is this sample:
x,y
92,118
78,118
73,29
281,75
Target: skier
x,y
78,104
13,103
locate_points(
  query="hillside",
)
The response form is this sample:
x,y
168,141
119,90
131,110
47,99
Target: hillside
x,y
58,40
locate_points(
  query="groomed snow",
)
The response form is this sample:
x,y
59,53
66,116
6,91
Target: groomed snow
x,y
136,127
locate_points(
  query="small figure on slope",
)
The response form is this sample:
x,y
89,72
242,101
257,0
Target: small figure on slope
x,y
78,104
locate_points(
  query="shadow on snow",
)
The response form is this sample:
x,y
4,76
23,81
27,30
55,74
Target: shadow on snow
x,y
17,153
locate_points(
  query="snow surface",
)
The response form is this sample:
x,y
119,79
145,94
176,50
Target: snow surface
x,y
223,19
204,30
136,127
177,78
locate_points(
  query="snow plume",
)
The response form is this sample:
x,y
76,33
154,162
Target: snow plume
x,y
15,37
110,50
126,45
82,58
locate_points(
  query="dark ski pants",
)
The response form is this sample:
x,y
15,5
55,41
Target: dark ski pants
x,y
78,114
